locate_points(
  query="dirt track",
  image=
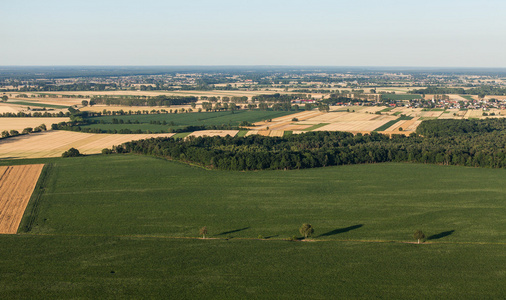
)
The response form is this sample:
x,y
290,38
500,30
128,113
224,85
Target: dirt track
x,y
16,187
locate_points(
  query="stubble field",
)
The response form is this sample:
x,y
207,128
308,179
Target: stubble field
x,y
16,187
54,143
21,123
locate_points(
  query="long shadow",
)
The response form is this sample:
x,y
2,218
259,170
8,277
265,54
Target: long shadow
x,y
234,231
271,236
341,230
440,235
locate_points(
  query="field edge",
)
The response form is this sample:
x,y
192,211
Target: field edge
x,y
32,208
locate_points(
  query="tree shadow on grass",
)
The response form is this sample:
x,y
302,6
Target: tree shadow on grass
x,y
233,231
341,230
440,235
271,236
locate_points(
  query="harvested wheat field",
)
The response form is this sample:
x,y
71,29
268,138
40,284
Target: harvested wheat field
x,y
7,108
54,143
21,123
278,133
279,123
222,133
16,187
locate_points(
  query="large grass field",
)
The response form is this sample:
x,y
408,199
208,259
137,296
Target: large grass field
x,y
176,121
120,226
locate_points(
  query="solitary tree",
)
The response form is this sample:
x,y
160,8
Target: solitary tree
x,y
72,152
4,98
419,235
306,230
203,232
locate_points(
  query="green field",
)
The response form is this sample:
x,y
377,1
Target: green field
x,y
387,109
468,97
400,97
180,120
119,226
316,126
37,104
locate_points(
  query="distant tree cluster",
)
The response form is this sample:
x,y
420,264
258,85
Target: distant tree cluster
x,y
43,87
27,130
72,152
145,101
35,115
437,128
482,90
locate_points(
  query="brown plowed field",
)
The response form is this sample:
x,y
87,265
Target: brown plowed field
x,y
16,187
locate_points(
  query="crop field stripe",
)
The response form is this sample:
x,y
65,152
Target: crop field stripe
x,y
391,123
316,126
16,188
32,208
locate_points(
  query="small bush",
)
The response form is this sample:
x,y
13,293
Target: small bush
x,y
72,152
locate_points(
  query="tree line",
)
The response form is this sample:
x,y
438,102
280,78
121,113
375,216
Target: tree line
x,y
152,101
481,90
321,149
34,115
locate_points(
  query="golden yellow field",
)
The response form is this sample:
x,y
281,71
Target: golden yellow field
x,y
21,123
16,187
54,143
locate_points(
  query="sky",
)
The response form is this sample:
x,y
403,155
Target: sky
x,y
428,33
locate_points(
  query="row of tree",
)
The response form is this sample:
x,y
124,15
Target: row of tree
x,y
27,130
152,101
481,90
34,115
320,149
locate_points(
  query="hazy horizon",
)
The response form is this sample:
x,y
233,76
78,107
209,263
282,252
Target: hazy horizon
x,y
365,33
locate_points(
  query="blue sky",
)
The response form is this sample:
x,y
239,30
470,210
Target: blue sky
x,y
444,33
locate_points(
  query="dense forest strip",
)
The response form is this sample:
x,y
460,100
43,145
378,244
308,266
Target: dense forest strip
x,y
144,101
482,90
436,128
320,149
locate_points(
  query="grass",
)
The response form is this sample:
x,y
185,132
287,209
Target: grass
x,y
242,133
180,135
390,123
400,96
118,226
37,104
287,133
387,109
315,126
468,97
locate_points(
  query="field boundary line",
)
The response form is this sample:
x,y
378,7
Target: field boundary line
x,y
32,209
265,239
